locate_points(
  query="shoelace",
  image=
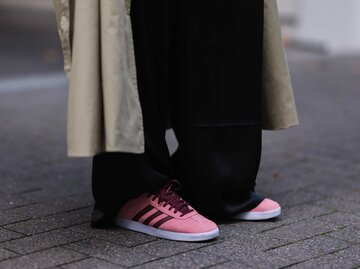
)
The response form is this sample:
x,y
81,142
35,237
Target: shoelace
x,y
168,195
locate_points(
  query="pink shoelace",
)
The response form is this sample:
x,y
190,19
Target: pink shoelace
x,y
168,195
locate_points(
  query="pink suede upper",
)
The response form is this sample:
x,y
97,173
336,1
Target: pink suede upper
x,y
266,205
192,222
195,224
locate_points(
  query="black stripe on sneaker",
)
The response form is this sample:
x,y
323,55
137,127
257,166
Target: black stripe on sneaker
x,y
153,216
162,221
142,212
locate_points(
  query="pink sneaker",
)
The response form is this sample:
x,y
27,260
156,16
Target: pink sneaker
x,y
267,209
165,214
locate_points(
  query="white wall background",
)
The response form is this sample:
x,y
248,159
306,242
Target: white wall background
x,y
333,25
286,7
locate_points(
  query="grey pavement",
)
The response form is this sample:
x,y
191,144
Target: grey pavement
x,y
313,170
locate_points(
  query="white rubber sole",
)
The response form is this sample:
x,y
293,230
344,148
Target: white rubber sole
x,y
139,227
258,215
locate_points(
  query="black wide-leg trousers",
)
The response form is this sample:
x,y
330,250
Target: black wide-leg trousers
x,y
199,71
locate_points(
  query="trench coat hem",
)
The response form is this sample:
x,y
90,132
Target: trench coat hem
x,y
84,154
280,127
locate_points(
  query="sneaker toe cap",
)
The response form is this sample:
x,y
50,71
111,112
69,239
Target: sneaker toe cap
x,y
194,224
202,224
266,205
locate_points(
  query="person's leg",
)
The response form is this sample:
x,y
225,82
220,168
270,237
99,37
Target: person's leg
x,y
218,174
217,104
162,212
129,189
117,176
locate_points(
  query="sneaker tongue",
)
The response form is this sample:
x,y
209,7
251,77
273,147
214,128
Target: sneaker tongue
x,y
168,194
182,205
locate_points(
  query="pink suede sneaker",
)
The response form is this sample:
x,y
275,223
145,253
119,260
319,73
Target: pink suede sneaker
x,y
267,209
165,214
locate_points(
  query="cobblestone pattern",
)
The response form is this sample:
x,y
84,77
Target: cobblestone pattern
x,y
312,170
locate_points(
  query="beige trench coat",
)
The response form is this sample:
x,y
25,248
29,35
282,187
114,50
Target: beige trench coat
x,y
104,112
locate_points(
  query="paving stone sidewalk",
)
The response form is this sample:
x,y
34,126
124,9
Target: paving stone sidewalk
x,y
312,170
